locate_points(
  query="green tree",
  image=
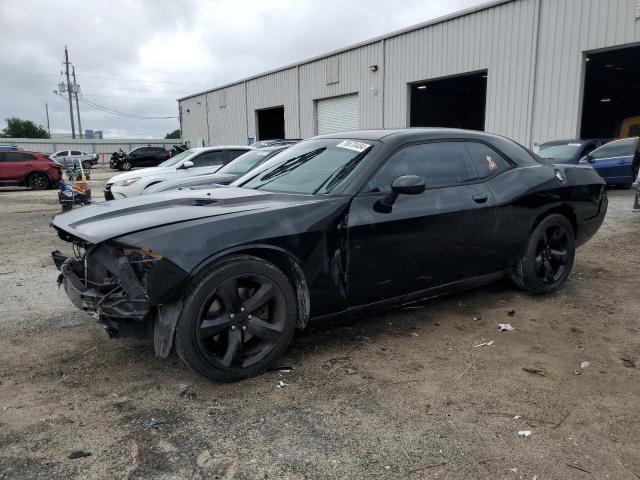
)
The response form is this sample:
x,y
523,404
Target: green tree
x,y
18,128
174,134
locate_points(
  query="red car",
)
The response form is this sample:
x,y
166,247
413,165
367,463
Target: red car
x,y
31,169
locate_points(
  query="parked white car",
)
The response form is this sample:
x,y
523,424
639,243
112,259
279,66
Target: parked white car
x,y
69,158
195,161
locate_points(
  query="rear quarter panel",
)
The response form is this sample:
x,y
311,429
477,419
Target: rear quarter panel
x,y
525,195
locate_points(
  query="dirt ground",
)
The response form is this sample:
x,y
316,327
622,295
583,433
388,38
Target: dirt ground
x,y
403,394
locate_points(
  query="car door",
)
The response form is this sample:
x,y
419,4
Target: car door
x,y
18,165
615,160
76,157
442,235
207,162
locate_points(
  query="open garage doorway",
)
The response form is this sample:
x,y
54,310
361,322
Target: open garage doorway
x,y
454,102
270,123
611,94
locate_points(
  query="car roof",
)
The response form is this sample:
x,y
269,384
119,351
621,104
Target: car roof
x,y
581,141
409,134
221,147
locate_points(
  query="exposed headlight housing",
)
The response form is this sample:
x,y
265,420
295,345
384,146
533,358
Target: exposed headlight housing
x,y
126,183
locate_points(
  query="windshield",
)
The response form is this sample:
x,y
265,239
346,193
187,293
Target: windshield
x,y
177,159
244,162
311,167
562,152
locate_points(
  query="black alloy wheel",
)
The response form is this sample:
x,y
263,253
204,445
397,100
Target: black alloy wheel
x,y
39,181
549,256
552,254
239,318
86,165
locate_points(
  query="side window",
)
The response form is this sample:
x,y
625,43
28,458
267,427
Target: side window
x,y
439,164
18,157
487,161
209,159
233,154
62,153
2,157
617,148
75,152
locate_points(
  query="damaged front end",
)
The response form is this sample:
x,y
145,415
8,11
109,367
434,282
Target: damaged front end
x,y
132,292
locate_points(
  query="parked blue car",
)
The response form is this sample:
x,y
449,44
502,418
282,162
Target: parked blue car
x,y
569,151
8,147
617,162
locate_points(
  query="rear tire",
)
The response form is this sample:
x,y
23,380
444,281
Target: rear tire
x,y
239,316
548,258
38,181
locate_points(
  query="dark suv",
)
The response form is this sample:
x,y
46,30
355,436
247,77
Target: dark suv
x,y
142,157
31,169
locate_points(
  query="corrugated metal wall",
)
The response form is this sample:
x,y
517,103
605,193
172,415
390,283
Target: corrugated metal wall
x,y
354,77
567,29
193,121
227,116
498,40
106,146
280,88
532,50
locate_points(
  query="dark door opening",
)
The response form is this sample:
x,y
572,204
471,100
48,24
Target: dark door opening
x,y
611,94
270,123
456,102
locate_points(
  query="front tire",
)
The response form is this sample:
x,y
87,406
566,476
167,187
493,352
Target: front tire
x,y
126,165
549,256
239,316
86,165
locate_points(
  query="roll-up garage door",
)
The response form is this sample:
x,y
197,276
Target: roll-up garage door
x,y
338,113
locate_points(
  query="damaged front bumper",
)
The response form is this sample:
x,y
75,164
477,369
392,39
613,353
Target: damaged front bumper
x,y
112,303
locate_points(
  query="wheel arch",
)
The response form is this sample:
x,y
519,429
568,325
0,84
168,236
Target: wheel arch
x,y
563,209
282,259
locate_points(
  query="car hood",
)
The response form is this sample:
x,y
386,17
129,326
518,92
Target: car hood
x,y
144,172
193,181
102,221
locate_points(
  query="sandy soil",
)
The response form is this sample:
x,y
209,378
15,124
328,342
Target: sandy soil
x,y
403,394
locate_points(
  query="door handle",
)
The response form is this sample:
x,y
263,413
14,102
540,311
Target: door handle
x,y
480,197
622,162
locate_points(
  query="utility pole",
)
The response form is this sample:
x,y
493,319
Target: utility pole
x,y
75,88
46,107
66,64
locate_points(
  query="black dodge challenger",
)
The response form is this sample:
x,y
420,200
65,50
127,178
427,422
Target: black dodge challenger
x,y
341,223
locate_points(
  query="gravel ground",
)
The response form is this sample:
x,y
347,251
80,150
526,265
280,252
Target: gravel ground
x,y
402,394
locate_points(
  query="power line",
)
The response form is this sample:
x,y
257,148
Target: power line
x,y
125,114
108,78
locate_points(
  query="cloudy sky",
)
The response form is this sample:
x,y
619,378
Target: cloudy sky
x,y
137,56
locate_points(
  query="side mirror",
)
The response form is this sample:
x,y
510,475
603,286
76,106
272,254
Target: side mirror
x,y
404,185
187,164
408,185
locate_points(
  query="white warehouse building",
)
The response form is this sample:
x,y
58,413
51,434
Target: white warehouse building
x,y
532,70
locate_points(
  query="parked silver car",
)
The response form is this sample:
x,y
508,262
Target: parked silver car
x,y
69,158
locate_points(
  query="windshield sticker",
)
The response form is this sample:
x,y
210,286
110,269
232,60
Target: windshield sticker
x,y
353,145
262,154
574,145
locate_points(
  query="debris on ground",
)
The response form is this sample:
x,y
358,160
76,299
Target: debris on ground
x,y
153,423
281,384
183,388
524,433
350,370
204,458
628,363
585,364
475,319
485,344
280,370
79,454
536,371
511,313
505,327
